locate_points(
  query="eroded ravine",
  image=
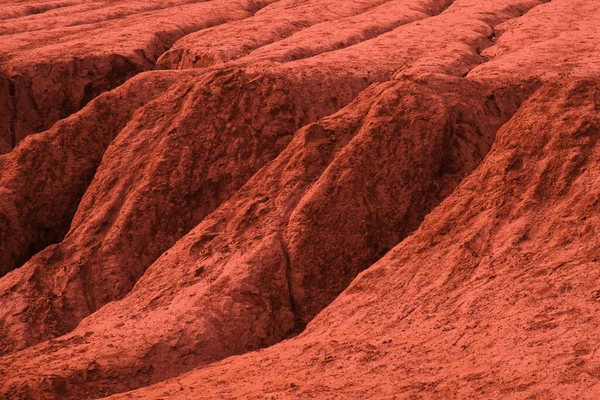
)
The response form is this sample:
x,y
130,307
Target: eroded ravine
x,y
266,233
494,296
113,281
47,74
227,263
52,228
386,49
277,323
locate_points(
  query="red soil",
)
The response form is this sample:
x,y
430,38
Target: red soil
x,y
57,56
217,206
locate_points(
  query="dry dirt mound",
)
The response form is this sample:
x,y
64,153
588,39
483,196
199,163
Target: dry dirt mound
x,y
196,214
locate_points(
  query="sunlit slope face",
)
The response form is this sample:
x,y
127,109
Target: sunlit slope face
x,y
228,201
498,284
56,56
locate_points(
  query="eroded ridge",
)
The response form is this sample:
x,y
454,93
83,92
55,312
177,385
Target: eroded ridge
x,y
231,209
496,275
282,32
381,58
56,57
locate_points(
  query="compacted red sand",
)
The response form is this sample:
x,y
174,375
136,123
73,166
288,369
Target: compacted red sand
x,y
280,199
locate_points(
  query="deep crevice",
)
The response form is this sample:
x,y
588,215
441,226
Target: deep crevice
x,y
298,324
13,113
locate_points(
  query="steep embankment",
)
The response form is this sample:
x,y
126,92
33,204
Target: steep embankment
x,y
44,178
219,280
153,198
292,239
56,57
495,296
222,213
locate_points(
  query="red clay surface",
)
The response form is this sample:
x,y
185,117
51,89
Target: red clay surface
x,y
390,199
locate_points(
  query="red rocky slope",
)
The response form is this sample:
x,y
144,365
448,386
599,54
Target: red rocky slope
x,y
88,258
495,296
223,207
57,56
